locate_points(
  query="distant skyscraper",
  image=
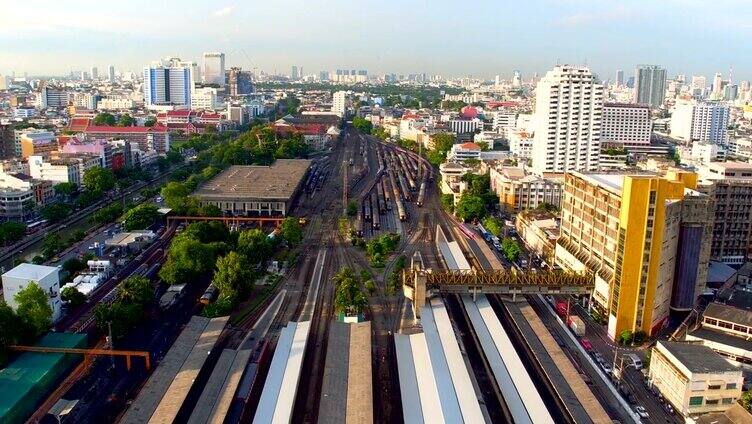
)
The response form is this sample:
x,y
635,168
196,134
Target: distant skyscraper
x,y
294,73
167,83
339,102
630,82
717,84
706,122
324,75
517,79
84,76
111,73
568,106
239,82
94,73
650,85
214,68
619,78
698,85
497,81
730,92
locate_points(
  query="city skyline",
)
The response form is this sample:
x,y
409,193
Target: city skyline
x,y
676,35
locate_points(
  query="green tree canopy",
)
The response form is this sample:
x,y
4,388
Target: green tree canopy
x,y
104,119
126,121
187,260
348,297
65,189
233,277
150,121
136,290
493,225
255,246
363,125
55,212
72,296
11,232
34,307
511,249
140,217
470,207
98,179
291,231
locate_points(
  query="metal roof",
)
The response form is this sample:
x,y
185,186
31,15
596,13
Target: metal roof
x,y
697,358
277,181
729,313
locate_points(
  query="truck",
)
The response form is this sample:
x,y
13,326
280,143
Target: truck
x,y
561,308
576,325
496,243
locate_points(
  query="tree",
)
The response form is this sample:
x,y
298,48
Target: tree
x,y
348,297
107,214
72,296
34,308
291,231
11,232
447,202
746,400
55,212
493,225
233,277
363,125
51,244
141,217
207,232
175,195
98,179
511,249
9,331
370,287
625,337
65,189
126,121
470,207
352,208
483,146
136,290
255,246
188,259
73,265
104,119
150,121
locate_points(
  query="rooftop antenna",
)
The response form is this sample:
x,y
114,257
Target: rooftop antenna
x,y
731,75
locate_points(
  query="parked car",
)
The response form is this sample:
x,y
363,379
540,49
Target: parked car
x,y
642,412
586,345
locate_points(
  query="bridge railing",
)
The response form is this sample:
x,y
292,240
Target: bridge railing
x,y
435,280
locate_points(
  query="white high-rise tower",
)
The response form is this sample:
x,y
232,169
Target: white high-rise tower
x,y
568,106
214,69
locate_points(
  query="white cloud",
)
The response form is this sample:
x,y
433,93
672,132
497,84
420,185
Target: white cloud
x,y
224,11
616,13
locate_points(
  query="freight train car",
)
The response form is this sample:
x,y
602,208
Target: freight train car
x,y
422,193
376,218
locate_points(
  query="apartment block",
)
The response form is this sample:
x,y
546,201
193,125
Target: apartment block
x,y
519,190
729,184
645,237
693,378
568,108
705,122
626,123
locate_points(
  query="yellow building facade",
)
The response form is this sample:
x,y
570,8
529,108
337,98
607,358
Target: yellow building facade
x,y
626,229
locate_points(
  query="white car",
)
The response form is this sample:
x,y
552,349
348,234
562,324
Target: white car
x,y
642,412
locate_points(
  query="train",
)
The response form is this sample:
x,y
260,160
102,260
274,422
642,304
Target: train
x,y
387,195
467,231
359,224
210,295
380,198
422,193
367,209
376,222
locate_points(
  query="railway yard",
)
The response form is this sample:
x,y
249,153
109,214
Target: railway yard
x,y
460,357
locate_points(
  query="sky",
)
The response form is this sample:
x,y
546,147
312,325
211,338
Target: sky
x,y
451,38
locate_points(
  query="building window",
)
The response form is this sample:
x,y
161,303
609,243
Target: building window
x,y
711,402
714,387
731,386
695,401
727,401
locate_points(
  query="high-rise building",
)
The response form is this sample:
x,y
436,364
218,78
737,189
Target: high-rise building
x,y
568,106
650,85
717,84
730,92
214,69
646,238
339,102
705,122
626,123
294,73
239,83
94,73
729,184
324,76
167,83
619,77
84,76
111,73
517,79
698,85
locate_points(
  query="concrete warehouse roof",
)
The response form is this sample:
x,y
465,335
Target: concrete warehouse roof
x,y
729,313
698,358
277,181
31,271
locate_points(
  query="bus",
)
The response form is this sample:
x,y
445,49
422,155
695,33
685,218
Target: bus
x,y
34,226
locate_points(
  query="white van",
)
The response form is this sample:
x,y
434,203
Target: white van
x,y
636,361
